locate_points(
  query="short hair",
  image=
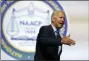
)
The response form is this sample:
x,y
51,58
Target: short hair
x,y
55,12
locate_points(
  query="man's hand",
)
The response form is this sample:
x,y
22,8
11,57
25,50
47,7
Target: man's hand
x,y
66,40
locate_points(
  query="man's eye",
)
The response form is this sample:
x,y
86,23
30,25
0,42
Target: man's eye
x,y
62,17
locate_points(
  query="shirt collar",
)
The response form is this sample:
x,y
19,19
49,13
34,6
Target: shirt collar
x,y
54,29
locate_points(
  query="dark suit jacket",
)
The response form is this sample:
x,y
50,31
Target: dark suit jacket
x,y
47,45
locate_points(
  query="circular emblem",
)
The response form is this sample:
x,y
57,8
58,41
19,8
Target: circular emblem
x,y
20,24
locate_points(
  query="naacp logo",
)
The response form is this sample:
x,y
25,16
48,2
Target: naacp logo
x,y
21,21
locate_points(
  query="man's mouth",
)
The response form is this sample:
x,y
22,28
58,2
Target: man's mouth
x,y
62,23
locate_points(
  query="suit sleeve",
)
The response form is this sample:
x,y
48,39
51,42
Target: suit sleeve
x,y
43,38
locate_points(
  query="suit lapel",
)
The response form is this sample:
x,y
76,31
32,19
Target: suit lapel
x,y
51,31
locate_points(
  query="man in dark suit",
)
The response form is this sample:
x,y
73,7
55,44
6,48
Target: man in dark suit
x,y
49,42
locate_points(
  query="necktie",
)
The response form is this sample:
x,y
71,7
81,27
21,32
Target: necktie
x,y
59,39
58,35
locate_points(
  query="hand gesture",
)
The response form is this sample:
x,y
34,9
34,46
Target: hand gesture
x,y
67,41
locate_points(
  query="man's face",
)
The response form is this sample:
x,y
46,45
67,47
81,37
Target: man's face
x,y
58,19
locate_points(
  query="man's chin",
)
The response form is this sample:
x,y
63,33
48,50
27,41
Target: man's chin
x,y
60,26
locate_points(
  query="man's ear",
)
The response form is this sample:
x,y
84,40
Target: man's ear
x,y
53,19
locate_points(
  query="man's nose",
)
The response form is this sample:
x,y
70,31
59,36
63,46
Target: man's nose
x,y
62,19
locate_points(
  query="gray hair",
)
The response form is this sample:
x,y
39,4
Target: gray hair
x,y
55,12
